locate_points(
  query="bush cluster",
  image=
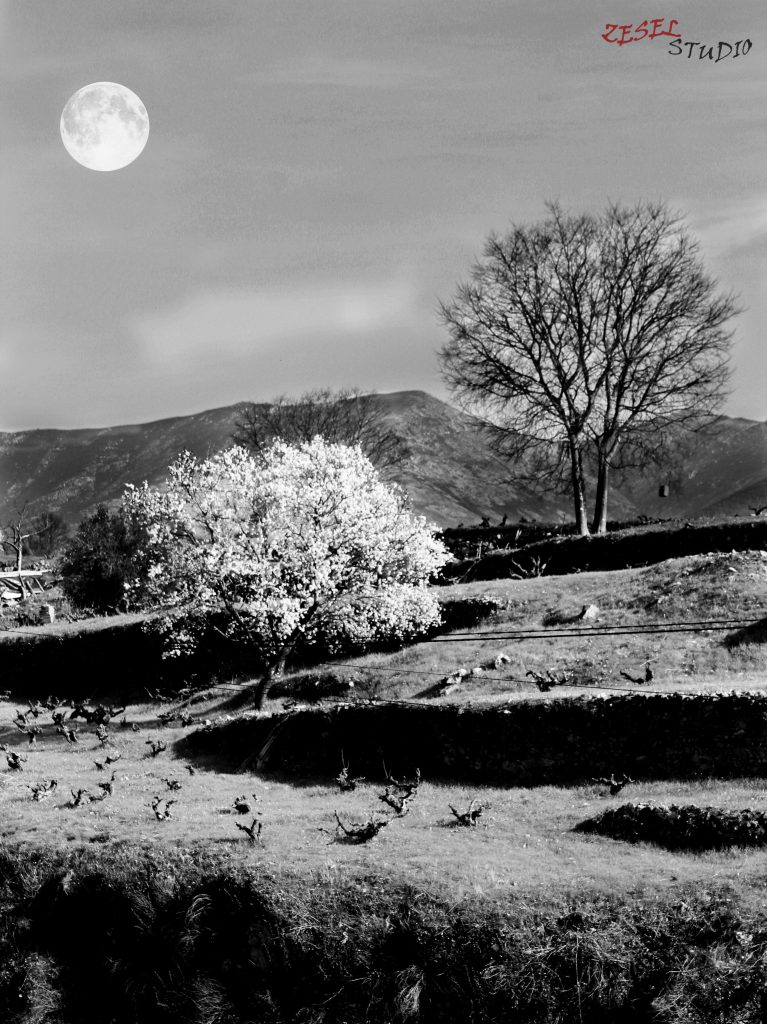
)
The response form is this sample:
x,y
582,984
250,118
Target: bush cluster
x,y
98,561
114,655
467,612
685,827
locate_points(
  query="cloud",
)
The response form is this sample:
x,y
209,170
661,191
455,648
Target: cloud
x,y
232,323
344,72
734,225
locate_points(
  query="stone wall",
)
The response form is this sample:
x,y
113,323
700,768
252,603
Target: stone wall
x,y
624,550
562,741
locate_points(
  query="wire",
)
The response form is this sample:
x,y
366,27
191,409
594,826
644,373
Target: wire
x,y
593,686
732,620
408,671
613,631
620,625
545,632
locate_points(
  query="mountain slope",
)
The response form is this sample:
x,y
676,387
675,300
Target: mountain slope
x,y
72,471
450,470
726,472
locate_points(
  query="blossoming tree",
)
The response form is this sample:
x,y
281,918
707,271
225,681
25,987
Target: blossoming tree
x,y
276,548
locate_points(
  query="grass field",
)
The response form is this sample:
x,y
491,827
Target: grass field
x,y
696,588
524,841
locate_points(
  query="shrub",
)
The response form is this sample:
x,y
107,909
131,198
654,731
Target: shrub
x,y
465,613
553,742
686,827
103,555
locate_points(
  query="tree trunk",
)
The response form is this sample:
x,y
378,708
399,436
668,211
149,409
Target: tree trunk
x,y
599,524
277,667
579,498
274,671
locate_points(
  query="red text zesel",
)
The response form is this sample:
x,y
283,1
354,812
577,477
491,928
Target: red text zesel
x,y
640,31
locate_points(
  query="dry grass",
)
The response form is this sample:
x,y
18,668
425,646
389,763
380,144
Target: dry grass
x,y
70,625
523,841
699,587
692,588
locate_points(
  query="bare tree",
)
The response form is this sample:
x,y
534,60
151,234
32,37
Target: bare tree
x,y
346,416
16,534
51,532
590,341
24,534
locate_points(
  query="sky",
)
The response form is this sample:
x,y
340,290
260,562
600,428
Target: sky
x,y
320,174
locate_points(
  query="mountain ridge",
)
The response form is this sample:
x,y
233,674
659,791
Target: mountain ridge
x,y
450,470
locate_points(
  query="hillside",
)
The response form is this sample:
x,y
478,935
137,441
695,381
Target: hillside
x,y
726,473
72,471
451,473
450,470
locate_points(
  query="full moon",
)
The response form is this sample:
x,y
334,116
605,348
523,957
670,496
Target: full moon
x,y
104,126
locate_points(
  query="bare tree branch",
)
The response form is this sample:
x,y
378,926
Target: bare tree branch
x,y
346,416
590,343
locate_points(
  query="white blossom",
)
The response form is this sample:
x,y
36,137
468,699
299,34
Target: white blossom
x,y
307,541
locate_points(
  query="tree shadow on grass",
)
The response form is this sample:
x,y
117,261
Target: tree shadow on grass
x,y
557,617
756,633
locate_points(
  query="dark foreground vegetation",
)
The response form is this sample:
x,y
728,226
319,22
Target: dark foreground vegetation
x,y
115,914
124,938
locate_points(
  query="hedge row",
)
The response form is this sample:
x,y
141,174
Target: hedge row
x,y
120,656
565,741
680,827
100,939
461,539
117,656
619,550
